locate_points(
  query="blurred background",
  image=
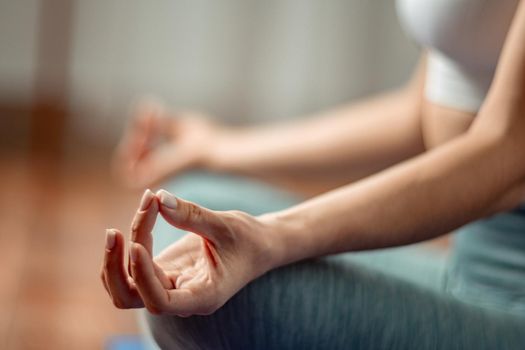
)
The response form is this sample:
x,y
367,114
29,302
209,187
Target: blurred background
x,y
69,72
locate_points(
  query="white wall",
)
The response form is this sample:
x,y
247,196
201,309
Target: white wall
x,y
18,29
245,60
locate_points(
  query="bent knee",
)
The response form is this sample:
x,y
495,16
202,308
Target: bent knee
x,y
244,322
174,332
261,314
227,328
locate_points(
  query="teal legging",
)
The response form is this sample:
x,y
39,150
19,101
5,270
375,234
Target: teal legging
x,y
390,299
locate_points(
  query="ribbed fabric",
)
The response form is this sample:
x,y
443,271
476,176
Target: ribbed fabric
x,y
488,264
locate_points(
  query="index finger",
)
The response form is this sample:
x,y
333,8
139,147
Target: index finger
x,y
144,221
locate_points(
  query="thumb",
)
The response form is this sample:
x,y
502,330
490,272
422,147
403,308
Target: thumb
x,y
190,216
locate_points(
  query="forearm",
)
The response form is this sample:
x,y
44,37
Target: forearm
x,y
414,201
348,143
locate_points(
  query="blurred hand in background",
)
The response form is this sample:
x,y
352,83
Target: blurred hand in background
x,y
158,144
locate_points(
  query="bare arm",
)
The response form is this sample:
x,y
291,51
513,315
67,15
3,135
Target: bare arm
x,y
308,156
338,146
463,180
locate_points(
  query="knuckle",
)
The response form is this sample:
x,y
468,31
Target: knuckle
x,y
139,217
236,216
137,221
192,213
134,232
236,213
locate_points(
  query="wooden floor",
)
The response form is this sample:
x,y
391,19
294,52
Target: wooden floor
x,y
52,225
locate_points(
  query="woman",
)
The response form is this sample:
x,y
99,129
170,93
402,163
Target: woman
x,y
452,157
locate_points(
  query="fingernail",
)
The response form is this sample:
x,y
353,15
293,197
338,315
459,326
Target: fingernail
x,y
167,199
110,239
145,202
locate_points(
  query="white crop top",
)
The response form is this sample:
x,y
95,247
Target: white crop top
x,y
464,39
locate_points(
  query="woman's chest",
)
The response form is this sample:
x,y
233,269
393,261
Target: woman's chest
x,y
470,32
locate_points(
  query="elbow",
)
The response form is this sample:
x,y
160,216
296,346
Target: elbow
x,y
501,122
504,142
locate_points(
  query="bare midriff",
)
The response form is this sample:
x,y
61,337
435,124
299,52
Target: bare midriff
x,y
441,124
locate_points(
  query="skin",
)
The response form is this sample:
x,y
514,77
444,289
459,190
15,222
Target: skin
x,y
196,275
321,153
470,169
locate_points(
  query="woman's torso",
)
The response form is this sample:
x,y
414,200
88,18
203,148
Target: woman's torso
x,y
463,40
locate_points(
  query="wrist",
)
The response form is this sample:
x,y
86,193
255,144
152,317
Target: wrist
x,y
287,238
218,155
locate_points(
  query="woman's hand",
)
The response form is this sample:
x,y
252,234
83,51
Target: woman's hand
x,y
157,144
198,273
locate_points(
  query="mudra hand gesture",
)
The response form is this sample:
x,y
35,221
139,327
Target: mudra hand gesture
x,y
197,274
158,143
